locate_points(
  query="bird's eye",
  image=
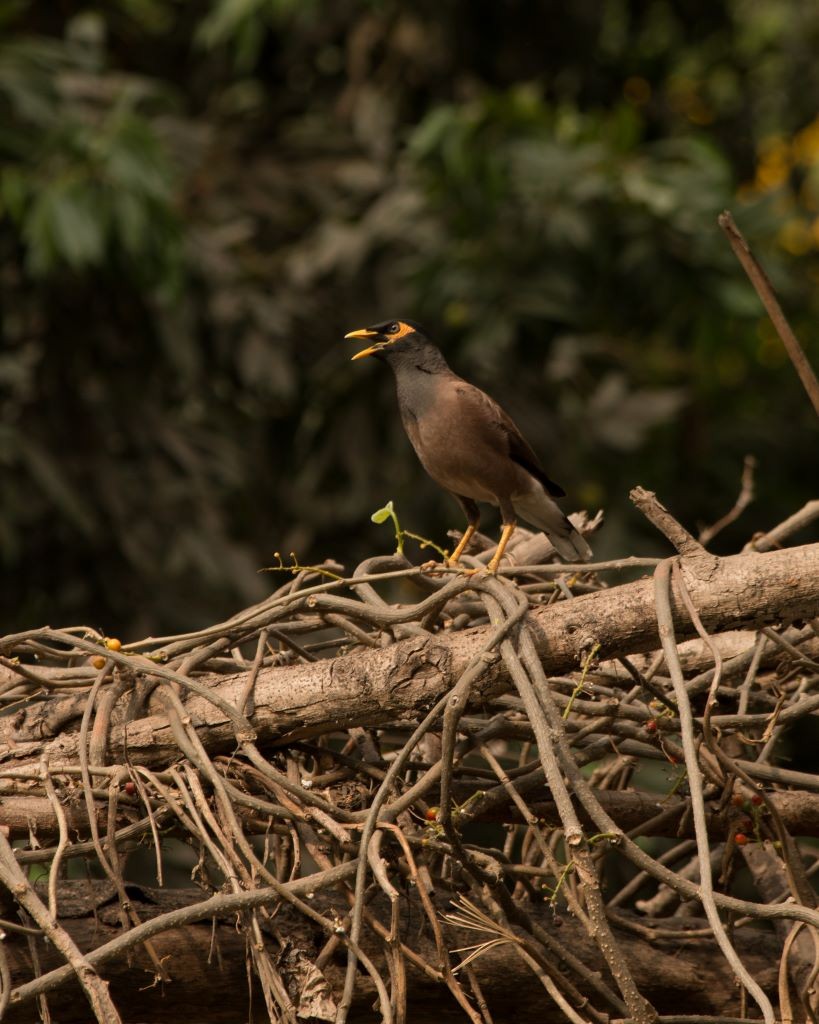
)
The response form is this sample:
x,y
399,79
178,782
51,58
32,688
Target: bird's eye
x,y
393,328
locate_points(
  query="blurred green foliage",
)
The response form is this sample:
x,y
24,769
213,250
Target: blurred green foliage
x,y
197,201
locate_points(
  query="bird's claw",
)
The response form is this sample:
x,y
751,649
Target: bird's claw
x,y
462,569
437,568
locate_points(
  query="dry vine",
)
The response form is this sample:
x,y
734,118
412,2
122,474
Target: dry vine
x,y
338,757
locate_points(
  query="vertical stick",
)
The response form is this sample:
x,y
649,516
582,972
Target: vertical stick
x,y
764,289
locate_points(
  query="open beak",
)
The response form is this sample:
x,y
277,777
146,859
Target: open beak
x,y
365,332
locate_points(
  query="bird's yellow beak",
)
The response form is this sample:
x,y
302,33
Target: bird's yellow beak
x,y
365,332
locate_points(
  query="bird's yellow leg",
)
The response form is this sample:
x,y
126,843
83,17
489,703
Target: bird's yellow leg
x,y
508,530
459,550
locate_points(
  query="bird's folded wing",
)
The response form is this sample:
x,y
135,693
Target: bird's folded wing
x,y
504,429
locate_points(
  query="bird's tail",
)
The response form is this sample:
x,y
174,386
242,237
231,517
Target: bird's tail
x,y
538,509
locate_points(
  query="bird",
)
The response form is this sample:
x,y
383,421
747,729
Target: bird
x,y
467,443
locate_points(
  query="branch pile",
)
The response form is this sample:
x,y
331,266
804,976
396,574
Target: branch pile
x,y
540,785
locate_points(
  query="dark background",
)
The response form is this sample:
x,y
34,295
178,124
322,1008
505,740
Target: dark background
x,y
198,200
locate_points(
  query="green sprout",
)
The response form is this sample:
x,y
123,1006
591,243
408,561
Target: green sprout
x,y
554,893
388,512
295,567
579,688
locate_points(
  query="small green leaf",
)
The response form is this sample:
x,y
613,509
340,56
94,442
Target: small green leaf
x,y
383,514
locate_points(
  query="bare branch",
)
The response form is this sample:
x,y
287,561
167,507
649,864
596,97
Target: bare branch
x,y
328,755
764,289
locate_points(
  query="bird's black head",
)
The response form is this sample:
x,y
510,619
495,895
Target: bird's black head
x,y
403,345
390,338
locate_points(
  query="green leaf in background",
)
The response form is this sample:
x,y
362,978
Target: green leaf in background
x,y
64,226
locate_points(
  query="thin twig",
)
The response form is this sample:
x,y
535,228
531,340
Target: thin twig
x,y
764,289
665,626
744,499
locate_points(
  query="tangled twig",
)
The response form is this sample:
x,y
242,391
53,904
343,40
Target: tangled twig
x,y
471,702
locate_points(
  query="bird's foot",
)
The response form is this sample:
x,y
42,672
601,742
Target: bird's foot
x,y
437,568
433,568
462,569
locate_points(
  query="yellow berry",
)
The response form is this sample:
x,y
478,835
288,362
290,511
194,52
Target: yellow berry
x,y
112,643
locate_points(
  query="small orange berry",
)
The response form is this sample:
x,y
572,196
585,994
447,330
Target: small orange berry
x,y
432,813
740,839
112,643
651,725
98,661
130,788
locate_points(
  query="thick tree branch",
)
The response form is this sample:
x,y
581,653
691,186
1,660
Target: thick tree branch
x,y
402,681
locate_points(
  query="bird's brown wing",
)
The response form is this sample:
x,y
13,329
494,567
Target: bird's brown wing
x,y
503,426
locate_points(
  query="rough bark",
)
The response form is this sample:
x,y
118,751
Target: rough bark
x,y
402,681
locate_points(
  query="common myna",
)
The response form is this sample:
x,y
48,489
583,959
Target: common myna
x,y
467,443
